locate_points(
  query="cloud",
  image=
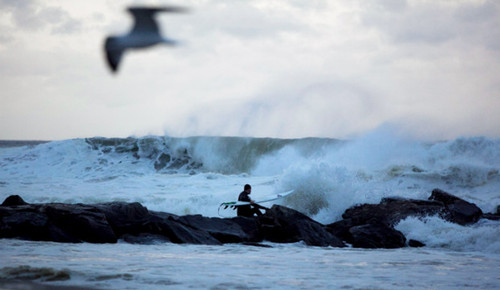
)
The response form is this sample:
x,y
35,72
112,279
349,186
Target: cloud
x,y
254,68
434,22
35,15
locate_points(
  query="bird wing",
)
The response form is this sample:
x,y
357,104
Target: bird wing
x,y
144,21
113,53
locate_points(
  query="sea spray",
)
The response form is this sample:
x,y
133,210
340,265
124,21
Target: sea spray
x,y
192,175
329,176
437,233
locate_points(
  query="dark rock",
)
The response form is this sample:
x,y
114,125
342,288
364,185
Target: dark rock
x,y
491,216
285,225
251,227
376,236
234,230
144,239
55,222
23,223
177,232
125,218
162,161
341,228
14,200
78,223
26,273
415,244
253,244
458,210
364,226
392,210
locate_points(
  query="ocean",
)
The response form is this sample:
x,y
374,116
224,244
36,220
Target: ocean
x,y
194,175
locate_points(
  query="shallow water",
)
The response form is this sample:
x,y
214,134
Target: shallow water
x,y
290,266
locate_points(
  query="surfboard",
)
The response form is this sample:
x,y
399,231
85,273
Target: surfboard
x,y
267,199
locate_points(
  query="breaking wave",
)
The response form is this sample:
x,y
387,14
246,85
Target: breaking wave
x,y
194,175
328,175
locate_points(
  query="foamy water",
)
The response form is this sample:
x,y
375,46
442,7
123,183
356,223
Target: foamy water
x,y
194,175
292,266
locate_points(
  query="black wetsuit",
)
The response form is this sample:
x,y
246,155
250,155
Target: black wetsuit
x,y
247,210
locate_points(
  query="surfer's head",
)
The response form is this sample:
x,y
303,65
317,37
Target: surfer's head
x,y
247,188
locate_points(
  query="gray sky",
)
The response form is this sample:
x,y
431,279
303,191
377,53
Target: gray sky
x,y
264,68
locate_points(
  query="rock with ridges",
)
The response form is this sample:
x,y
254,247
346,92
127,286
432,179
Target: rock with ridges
x,y
457,210
284,225
392,210
224,230
124,218
55,222
378,235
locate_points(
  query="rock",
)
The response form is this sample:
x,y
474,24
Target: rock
x,y
415,244
78,223
55,222
392,210
341,228
24,223
253,244
457,210
26,273
234,230
285,225
162,161
13,200
177,232
491,216
363,226
125,218
378,235
372,225
145,239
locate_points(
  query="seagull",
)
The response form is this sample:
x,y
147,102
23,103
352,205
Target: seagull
x,y
145,33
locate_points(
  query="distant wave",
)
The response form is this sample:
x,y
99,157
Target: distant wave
x,y
227,155
19,143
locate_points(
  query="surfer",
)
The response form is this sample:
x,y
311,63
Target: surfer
x,y
251,209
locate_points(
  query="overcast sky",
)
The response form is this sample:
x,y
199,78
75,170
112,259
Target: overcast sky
x,y
267,68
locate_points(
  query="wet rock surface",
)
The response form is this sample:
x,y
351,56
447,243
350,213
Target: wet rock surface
x,y
362,226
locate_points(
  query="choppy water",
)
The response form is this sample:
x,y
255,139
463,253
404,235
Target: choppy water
x,y
127,266
194,175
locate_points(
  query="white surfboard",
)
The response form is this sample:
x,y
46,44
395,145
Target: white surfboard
x,y
269,198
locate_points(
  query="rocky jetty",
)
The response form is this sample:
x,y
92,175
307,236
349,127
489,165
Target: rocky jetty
x,y
363,226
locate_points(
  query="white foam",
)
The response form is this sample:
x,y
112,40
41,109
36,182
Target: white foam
x,y
292,266
328,176
438,233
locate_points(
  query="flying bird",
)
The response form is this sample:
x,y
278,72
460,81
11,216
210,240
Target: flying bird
x,y
145,33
